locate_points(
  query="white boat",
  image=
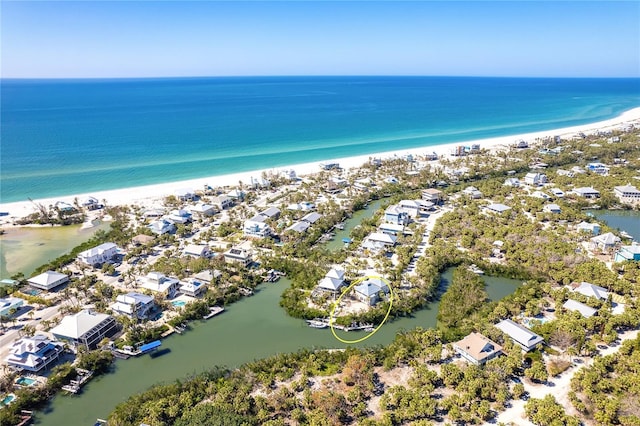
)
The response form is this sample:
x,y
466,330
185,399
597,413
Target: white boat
x,y
317,324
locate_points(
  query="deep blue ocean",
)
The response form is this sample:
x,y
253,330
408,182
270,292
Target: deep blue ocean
x,y
61,137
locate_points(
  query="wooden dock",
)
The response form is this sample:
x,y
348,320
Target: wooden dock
x,y
213,312
75,385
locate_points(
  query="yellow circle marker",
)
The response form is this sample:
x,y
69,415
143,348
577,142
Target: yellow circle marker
x,y
335,305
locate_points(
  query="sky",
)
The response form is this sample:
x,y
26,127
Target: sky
x,y
93,39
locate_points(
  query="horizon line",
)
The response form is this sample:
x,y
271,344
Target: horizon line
x,y
315,75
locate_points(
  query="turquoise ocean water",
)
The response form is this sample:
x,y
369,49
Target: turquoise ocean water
x,y
60,137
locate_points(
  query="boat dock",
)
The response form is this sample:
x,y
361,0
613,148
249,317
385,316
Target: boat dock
x,y
128,351
75,385
324,323
213,312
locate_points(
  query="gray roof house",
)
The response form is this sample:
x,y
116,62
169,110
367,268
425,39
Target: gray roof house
x,y
590,290
520,335
497,208
585,310
369,290
86,328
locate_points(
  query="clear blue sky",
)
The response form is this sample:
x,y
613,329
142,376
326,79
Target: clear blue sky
x,y
212,38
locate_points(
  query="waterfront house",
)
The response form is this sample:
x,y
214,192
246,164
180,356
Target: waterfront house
x,y
299,227
63,206
329,166
34,354
379,241
395,215
432,195
630,252
289,174
238,255
151,213
371,290
259,182
85,328
391,229
497,208
202,210
157,282
91,203
9,306
586,192
590,290
162,226
522,336
133,305
311,218
585,310
193,287
593,228
48,280
551,208
627,194
535,179
185,194
208,276
477,349
197,250
415,208
105,252
604,243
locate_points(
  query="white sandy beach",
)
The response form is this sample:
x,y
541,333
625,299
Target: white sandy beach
x,y
147,195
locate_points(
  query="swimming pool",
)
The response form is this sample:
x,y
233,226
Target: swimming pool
x,y
25,381
178,303
8,399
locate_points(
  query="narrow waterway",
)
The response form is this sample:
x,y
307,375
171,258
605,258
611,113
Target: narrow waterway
x,y
250,329
24,249
351,223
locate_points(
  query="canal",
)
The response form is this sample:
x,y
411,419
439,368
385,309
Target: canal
x,y
625,220
351,223
253,328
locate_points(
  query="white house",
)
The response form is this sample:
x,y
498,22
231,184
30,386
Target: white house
x,y
551,208
593,228
179,216
133,304
598,168
222,201
520,335
415,208
433,195
256,227
157,282
512,181
197,250
202,210
48,280
627,194
193,287
185,194
557,192
394,214
9,304
34,353
98,255
604,242
85,328
473,192
586,192
477,349
379,241
238,255
162,226
535,179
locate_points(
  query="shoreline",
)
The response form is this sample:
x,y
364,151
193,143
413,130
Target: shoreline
x,y
149,194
